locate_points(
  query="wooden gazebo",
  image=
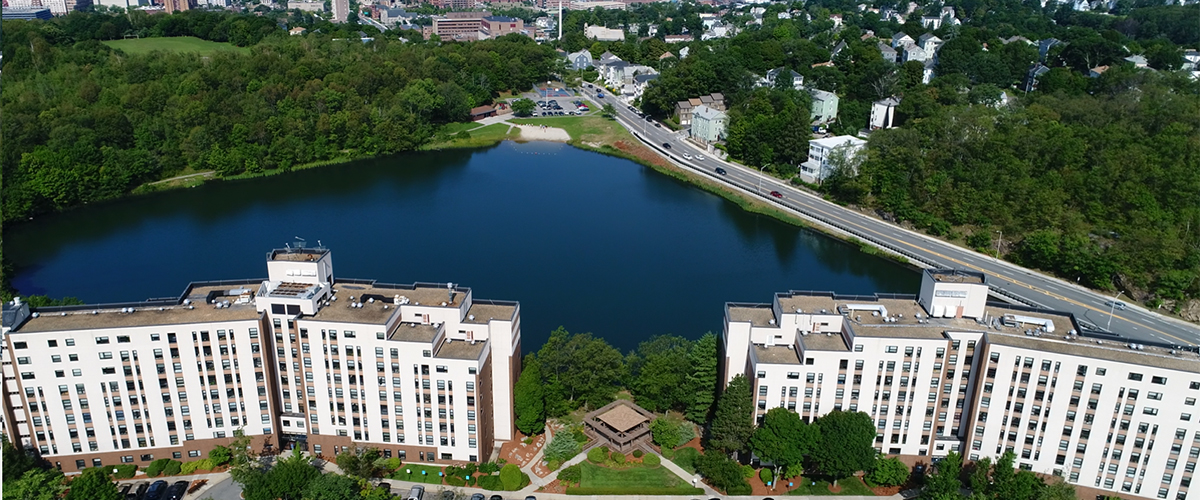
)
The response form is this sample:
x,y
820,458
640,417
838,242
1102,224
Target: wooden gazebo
x,y
622,425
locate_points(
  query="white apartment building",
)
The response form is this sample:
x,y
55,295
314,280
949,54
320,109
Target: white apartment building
x,y
946,370
423,371
825,155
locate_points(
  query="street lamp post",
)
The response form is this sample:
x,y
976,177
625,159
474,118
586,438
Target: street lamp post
x,y
760,178
999,242
1112,307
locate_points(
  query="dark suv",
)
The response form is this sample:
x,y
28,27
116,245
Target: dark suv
x,y
156,490
176,491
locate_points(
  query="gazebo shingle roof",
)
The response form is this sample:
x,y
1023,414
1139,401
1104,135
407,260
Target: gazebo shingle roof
x,y
622,418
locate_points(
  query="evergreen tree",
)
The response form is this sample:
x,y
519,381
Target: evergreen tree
x,y
702,382
733,421
944,483
529,398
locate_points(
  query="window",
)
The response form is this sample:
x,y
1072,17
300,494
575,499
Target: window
x,y
891,349
1158,380
106,355
101,340
1135,376
859,348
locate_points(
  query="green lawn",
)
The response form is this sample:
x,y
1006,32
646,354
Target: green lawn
x,y
588,128
850,486
456,135
430,477
633,478
172,44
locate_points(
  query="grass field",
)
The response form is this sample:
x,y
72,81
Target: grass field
x,y
172,44
593,129
633,478
456,135
430,477
852,486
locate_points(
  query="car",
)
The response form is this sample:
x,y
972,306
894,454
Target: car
x,y
599,96
156,490
649,119
656,124
687,156
699,157
176,491
667,145
140,492
495,497
415,493
1120,306
721,171
125,490
477,496
530,497
777,194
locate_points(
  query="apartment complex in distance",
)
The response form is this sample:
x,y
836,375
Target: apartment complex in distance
x,y
946,370
424,371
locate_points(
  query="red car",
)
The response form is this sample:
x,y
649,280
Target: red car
x,y
777,194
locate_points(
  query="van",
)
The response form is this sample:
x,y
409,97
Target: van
x,y
415,493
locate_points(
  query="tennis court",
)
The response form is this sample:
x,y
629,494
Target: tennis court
x,y
550,92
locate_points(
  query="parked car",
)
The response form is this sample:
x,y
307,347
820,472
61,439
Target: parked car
x,y
140,492
777,194
125,490
721,171
477,496
656,124
176,491
156,490
496,497
415,493
600,95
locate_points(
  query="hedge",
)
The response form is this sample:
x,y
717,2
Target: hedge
x,y
173,468
597,455
455,481
617,490
124,471
651,460
156,467
637,453
193,466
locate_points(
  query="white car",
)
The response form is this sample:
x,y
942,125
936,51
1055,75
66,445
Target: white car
x,y
687,156
699,157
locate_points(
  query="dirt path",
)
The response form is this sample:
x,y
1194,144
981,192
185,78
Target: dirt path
x,y
181,177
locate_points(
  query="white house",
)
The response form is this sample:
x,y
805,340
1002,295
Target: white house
x,y
929,43
883,113
912,52
901,39
824,155
773,76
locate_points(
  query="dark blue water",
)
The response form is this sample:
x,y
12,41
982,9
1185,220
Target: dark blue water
x,y
583,240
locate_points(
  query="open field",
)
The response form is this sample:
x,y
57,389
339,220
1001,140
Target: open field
x,y
850,486
634,479
457,136
172,44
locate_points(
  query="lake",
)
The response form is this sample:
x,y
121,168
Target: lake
x,y
583,240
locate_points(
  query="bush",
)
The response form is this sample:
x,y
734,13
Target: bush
x,y
527,440
578,434
664,433
668,453
220,455
595,455
651,460
572,474
887,472
193,466
491,483
124,471
489,468
747,471
619,458
392,464
561,448
510,477
455,480
156,467
739,489
637,453
553,464
765,475
173,467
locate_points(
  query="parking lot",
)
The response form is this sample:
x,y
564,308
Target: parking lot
x,y
553,107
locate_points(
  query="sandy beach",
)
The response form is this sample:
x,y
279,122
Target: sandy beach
x,y
538,133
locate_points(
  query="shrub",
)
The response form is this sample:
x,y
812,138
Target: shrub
x,y
578,434
489,468
156,467
668,453
220,455
553,464
561,448
510,477
637,453
595,455
747,471
765,475
664,433
687,432
571,474
491,483
193,466
124,471
455,480
618,458
527,440
739,489
887,472
392,464
172,468
651,460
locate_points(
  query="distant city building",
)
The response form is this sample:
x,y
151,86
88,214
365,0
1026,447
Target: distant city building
x,y
26,13
56,7
341,10
459,25
298,359
677,38
307,6
498,26
600,33
603,4
823,155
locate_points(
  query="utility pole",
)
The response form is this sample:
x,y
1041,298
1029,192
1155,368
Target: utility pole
x,y
1111,307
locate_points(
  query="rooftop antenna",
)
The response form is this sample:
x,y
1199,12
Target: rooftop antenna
x,y
300,242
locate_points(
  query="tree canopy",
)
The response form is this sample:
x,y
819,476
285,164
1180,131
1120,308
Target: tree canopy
x,y
847,443
529,398
733,420
783,438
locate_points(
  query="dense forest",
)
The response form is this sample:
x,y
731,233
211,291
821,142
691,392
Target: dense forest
x,y
84,122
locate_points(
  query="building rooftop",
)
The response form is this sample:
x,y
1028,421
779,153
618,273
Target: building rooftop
x,y
1102,349
819,342
622,418
198,310
460,349
413,332
756,315
841,140
297,254
483,313
377,300
956,276
776,355
806,302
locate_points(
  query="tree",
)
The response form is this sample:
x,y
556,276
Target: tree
x,y
665,433
944,484
529,399
286,480
93,484
847,442
783,438
523,107
511,477
16,461
733,421
1003,481
888,472
579,369
608,111
722,472
360,462
702,381
658,371
220,455
332,487
35,484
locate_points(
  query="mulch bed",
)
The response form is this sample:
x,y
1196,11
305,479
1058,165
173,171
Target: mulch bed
x,y
555,486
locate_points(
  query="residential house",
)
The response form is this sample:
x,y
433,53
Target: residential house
x,y
837,21
684,109
783,15
718,31
912,52
603,34
296,31
837,49
683,53
1191,59
825,155
580,60
796,79
1045,45
640,83
888,53
931,22
927,72
929,43
621,73
900,39
677,38
481,112
1097,71
1139,61
824,106
883,113
608,58
1031,77
708,124
1016,38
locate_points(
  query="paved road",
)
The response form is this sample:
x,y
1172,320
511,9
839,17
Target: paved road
x,y
1005,279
